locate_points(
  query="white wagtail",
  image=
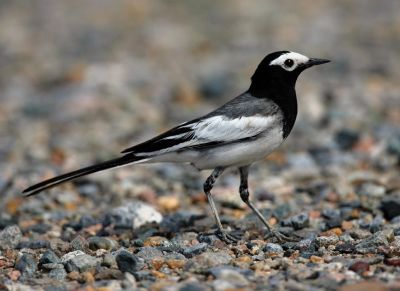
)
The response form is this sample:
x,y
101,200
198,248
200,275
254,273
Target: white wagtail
x,y
240,132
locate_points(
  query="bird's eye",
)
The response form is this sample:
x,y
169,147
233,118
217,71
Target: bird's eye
x,y
289,63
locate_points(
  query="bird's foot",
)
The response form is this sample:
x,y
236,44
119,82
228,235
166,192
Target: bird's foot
x,y
226,237
281,237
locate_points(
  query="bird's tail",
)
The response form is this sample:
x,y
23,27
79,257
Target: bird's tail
x,y
39,187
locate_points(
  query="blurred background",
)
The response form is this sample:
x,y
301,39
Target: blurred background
x,y
82,80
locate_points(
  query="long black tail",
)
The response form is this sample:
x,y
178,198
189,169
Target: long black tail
x,y
39,187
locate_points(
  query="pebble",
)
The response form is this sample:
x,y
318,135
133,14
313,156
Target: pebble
x,y
346,138
26,265
97,242
149,253
231,275
195,250
359,267
371,190
48,257
133,215
324,241
58,274
298,221
211,259
273,250
34,244
79,243
390,207
10,237
127,262
79,261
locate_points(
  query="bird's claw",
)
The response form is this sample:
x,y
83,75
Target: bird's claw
x,y
226,237
281,237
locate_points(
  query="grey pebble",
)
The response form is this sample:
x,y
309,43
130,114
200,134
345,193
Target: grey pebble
x,y
324,241
298,221
97,242
58,274
108,260
79,243
133,215
273,249
390,207
79,261
34,244
26,265
48,257
195,250
10,237
127,262
371,190
149,253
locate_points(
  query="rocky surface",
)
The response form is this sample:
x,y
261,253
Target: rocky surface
x,y
79,82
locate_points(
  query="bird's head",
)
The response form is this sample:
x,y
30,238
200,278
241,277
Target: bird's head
x,y
283,66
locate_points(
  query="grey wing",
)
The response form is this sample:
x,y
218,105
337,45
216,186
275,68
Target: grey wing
x,y
242,118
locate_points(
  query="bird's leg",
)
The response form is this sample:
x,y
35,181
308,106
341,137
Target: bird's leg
x,y
244,194
208,185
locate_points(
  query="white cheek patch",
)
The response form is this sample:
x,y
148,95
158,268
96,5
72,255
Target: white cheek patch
x,y
297,58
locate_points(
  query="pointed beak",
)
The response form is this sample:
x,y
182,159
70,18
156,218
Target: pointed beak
x,y
314,62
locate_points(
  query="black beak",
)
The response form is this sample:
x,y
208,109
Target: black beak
x,y
314,62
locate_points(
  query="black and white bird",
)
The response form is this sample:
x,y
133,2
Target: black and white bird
x,y
237,134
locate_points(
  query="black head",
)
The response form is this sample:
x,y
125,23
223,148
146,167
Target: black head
x,y
282,68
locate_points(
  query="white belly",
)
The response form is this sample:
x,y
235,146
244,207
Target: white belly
x,y
235,154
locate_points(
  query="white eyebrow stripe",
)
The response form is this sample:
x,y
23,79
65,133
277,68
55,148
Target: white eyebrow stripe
x,y
296,57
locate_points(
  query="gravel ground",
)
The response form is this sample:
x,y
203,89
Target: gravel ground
x,y
79,82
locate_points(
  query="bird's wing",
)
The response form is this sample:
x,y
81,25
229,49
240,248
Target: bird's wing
x,y
230,123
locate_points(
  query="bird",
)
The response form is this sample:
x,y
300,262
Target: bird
x,y
242,131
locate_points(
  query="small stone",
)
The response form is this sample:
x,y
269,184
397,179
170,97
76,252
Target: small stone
x,y
232,276
86,277
371,190
109,274
155,241
132,215
359,267
79,243
48,257
324,241
298,221
273,250
35,244
58,274
211,259
380,238
108,260
52,266
175,263
316,259
13,275
127,262
10,237
97,242
346,138
74,276
393,262
26,265
169,203
390,207
79,261
346,248
195,250
149,253
40,228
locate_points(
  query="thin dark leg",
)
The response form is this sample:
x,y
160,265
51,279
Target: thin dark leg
x,y
208,185
244,194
